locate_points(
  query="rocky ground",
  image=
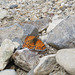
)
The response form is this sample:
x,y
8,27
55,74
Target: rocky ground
x,y
53,21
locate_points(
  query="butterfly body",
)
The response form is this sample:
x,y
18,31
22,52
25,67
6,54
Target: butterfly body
x,y
33,43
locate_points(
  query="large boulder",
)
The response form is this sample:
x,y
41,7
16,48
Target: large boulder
x,y
66,59
63,35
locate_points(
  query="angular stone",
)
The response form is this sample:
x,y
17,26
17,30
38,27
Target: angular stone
x,y
66,59
25,59
6,51
31,72
40,24
13,6
55,22
11,32
29,29
8,72
20,72
46,65
63,35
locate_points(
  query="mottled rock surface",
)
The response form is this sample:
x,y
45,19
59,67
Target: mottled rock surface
x,y
46,65
25,59
6,51
63,35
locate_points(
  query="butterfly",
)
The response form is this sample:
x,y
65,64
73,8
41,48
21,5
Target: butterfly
x,y
33,43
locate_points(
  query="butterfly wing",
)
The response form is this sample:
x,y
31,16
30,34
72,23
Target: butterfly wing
x,y
29,43
40,46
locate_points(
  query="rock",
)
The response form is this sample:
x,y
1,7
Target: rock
x,y
16,44
19,41
58,73
62,36
8,72
46,65
40,24
67,56
25,59
11,32
31,72
29,29
3,13
17,31
6,51
43,38
13,6
21,72
55,22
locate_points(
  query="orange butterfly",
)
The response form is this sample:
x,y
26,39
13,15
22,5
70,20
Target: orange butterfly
x,y
33,43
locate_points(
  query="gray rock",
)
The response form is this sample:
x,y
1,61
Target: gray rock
x,y
66,59
17,31
16,39
31,72
29,29
55,22
46,65
25,59
40,24
8,72
63,35
11,32
6,51
13,6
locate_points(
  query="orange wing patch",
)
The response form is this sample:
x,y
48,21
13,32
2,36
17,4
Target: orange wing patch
x,y
32,42
40,45
29,42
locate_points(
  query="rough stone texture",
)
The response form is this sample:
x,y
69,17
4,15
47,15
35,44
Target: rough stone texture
x,y
58,73
66,59
18,40
46,65
6,51
8,72
31,72
16,44
25,59
21,72
17,31
40,24
29,29
55,22
11,32
63,35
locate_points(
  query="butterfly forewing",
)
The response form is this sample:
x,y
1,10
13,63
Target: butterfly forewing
x,y
29,43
